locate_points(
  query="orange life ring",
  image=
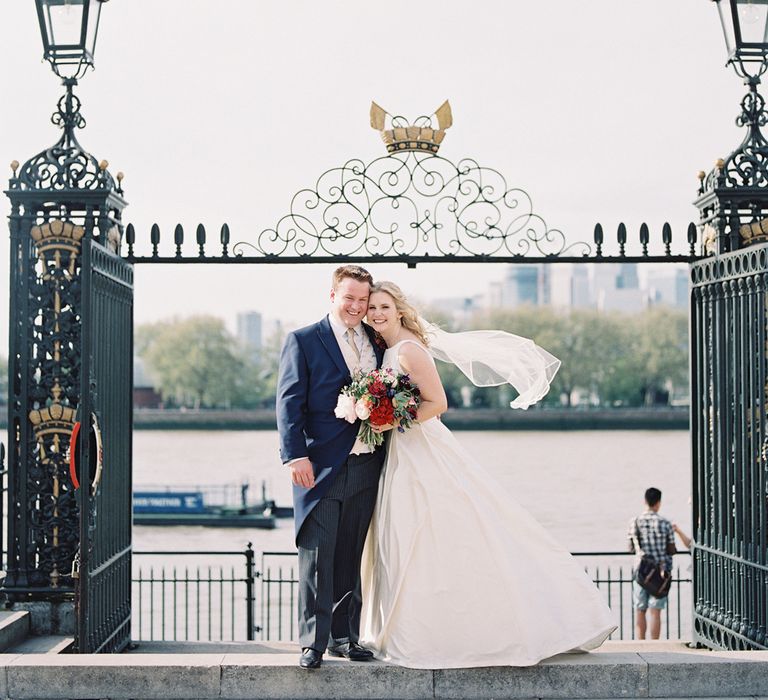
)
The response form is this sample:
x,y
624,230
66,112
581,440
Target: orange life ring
x,y
97,462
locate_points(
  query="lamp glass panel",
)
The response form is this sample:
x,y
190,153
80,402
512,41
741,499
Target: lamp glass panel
x,y
726,19
94,10
753,20
64,22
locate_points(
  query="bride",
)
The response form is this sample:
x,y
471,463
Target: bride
x,y
455,572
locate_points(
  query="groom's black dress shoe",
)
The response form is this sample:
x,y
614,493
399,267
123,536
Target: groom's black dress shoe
x,y
310,658
352,651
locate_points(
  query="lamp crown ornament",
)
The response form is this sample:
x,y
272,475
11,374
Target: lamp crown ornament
x,y
421,135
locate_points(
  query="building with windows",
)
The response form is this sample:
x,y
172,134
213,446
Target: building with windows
x,y
249,332
668,288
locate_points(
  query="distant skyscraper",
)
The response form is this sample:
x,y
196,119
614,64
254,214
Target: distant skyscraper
x,y
581,296
627,276
249,331
669,288
545,284
519,286
569,286
615,287
560,280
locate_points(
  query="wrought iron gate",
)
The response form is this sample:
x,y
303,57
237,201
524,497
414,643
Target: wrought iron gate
x,y
103,590
72,318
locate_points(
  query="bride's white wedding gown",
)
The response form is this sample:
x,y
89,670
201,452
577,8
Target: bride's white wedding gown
x,y
457,574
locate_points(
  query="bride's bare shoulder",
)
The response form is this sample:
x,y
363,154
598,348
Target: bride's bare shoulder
x,y
413,353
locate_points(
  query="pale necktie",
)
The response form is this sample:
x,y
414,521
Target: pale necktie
x,y
352,342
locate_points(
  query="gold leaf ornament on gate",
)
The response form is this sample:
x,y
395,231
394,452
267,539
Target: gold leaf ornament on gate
x,y
421,136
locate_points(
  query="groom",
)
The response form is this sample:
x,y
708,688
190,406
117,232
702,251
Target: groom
x,y
335,476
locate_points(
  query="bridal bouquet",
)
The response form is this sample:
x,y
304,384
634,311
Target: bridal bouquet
x,y
379,397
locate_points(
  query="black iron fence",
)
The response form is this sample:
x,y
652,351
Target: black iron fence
x,y
177,598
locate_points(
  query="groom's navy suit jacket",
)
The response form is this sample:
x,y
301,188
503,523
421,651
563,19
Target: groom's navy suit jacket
x,y
312,374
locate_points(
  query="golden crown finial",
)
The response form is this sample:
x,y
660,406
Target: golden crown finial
x,y
57,235
409,137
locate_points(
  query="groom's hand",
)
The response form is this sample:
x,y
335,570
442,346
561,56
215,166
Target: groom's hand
x,y
302,473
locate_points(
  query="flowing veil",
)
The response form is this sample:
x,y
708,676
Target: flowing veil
x,y
492,358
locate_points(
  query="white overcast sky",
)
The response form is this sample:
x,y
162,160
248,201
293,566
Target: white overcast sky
x,y
220,111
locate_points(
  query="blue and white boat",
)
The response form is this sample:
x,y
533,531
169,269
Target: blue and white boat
x,y
212,505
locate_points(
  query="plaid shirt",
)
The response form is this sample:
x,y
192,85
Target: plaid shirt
x,y
655,533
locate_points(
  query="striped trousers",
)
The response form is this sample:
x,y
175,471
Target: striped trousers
x,y
330,545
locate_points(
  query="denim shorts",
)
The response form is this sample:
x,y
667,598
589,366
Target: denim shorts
x,y
644,600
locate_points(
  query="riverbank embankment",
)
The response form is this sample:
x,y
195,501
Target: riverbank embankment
x,y
659,418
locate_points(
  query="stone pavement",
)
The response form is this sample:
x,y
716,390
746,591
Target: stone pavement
x,y
268,670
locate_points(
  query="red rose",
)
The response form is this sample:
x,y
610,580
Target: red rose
x,y
383,414
377,389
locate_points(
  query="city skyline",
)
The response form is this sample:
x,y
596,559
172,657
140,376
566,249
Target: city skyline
x,y
588,290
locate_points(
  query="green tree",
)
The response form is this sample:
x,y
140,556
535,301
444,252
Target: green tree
x,y
257,386
662,349
620,359
194,362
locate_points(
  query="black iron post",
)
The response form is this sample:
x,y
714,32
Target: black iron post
x,y
250,591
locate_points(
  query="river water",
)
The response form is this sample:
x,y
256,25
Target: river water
x,y
582,486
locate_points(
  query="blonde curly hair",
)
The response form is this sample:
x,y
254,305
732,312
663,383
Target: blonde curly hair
x,y
410,317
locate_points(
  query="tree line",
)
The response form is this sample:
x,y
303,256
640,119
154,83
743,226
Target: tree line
x,y
608,359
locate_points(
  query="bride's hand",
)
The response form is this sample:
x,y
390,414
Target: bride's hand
x,y
382,428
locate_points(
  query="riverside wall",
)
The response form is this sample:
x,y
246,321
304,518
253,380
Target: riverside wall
x,y
658,418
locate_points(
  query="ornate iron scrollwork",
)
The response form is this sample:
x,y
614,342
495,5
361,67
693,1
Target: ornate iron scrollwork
x,y
54,392
411,204
66,165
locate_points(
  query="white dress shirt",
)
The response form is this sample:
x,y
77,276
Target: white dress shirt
x,y
367,360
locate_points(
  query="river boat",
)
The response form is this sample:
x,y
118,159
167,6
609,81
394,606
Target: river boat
x,y
212,506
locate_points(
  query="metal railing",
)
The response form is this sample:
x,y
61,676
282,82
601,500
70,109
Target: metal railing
x,y
615,582
213,602
185,601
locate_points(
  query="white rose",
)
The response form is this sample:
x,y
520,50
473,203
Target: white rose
x,y
362,410
345,408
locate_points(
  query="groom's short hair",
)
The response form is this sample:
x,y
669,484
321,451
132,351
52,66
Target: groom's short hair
x,y
354,271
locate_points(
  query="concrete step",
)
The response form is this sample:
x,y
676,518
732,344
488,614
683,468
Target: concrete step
x,y
618,670
14,628
47,644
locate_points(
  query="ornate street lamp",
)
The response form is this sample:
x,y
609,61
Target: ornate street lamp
x,y
69,29
733,197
